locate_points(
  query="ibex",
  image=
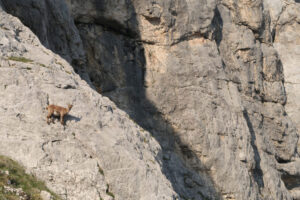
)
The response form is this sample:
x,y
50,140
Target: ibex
x,y
54,110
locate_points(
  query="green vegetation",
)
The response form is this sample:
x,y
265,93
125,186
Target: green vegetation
x,y
45,52
3,27
145,140
153,162
20,59
109,193
59,63
13,178
100,169
42,65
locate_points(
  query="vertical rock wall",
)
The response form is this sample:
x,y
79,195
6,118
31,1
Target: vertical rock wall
x,y
215,82
100,153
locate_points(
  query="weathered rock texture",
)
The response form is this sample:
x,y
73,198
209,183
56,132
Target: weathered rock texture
x,y
99,154
214,81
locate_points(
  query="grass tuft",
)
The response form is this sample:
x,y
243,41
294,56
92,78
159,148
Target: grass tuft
x,y
17,178
59,63
100,169
42,65
20,59
109,193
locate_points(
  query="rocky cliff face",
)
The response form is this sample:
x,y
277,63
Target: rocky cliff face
x,y
99,154
214,82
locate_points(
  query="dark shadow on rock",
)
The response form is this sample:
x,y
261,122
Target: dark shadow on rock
x,y
256,172
52,23
67,117
218,27
124,84
187,181
71,118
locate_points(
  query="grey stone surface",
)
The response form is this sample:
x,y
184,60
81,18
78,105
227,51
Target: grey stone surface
x,y
219,90
161,21
100,153
215,82
52,23
287,43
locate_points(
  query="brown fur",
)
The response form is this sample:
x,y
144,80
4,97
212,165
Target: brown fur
x,y
54,110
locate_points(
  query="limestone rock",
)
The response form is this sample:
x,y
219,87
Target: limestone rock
x,y
287,43
215,82
45,195
100,153
55,28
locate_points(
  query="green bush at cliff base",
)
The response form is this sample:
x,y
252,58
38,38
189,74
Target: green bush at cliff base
x,y
17,178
